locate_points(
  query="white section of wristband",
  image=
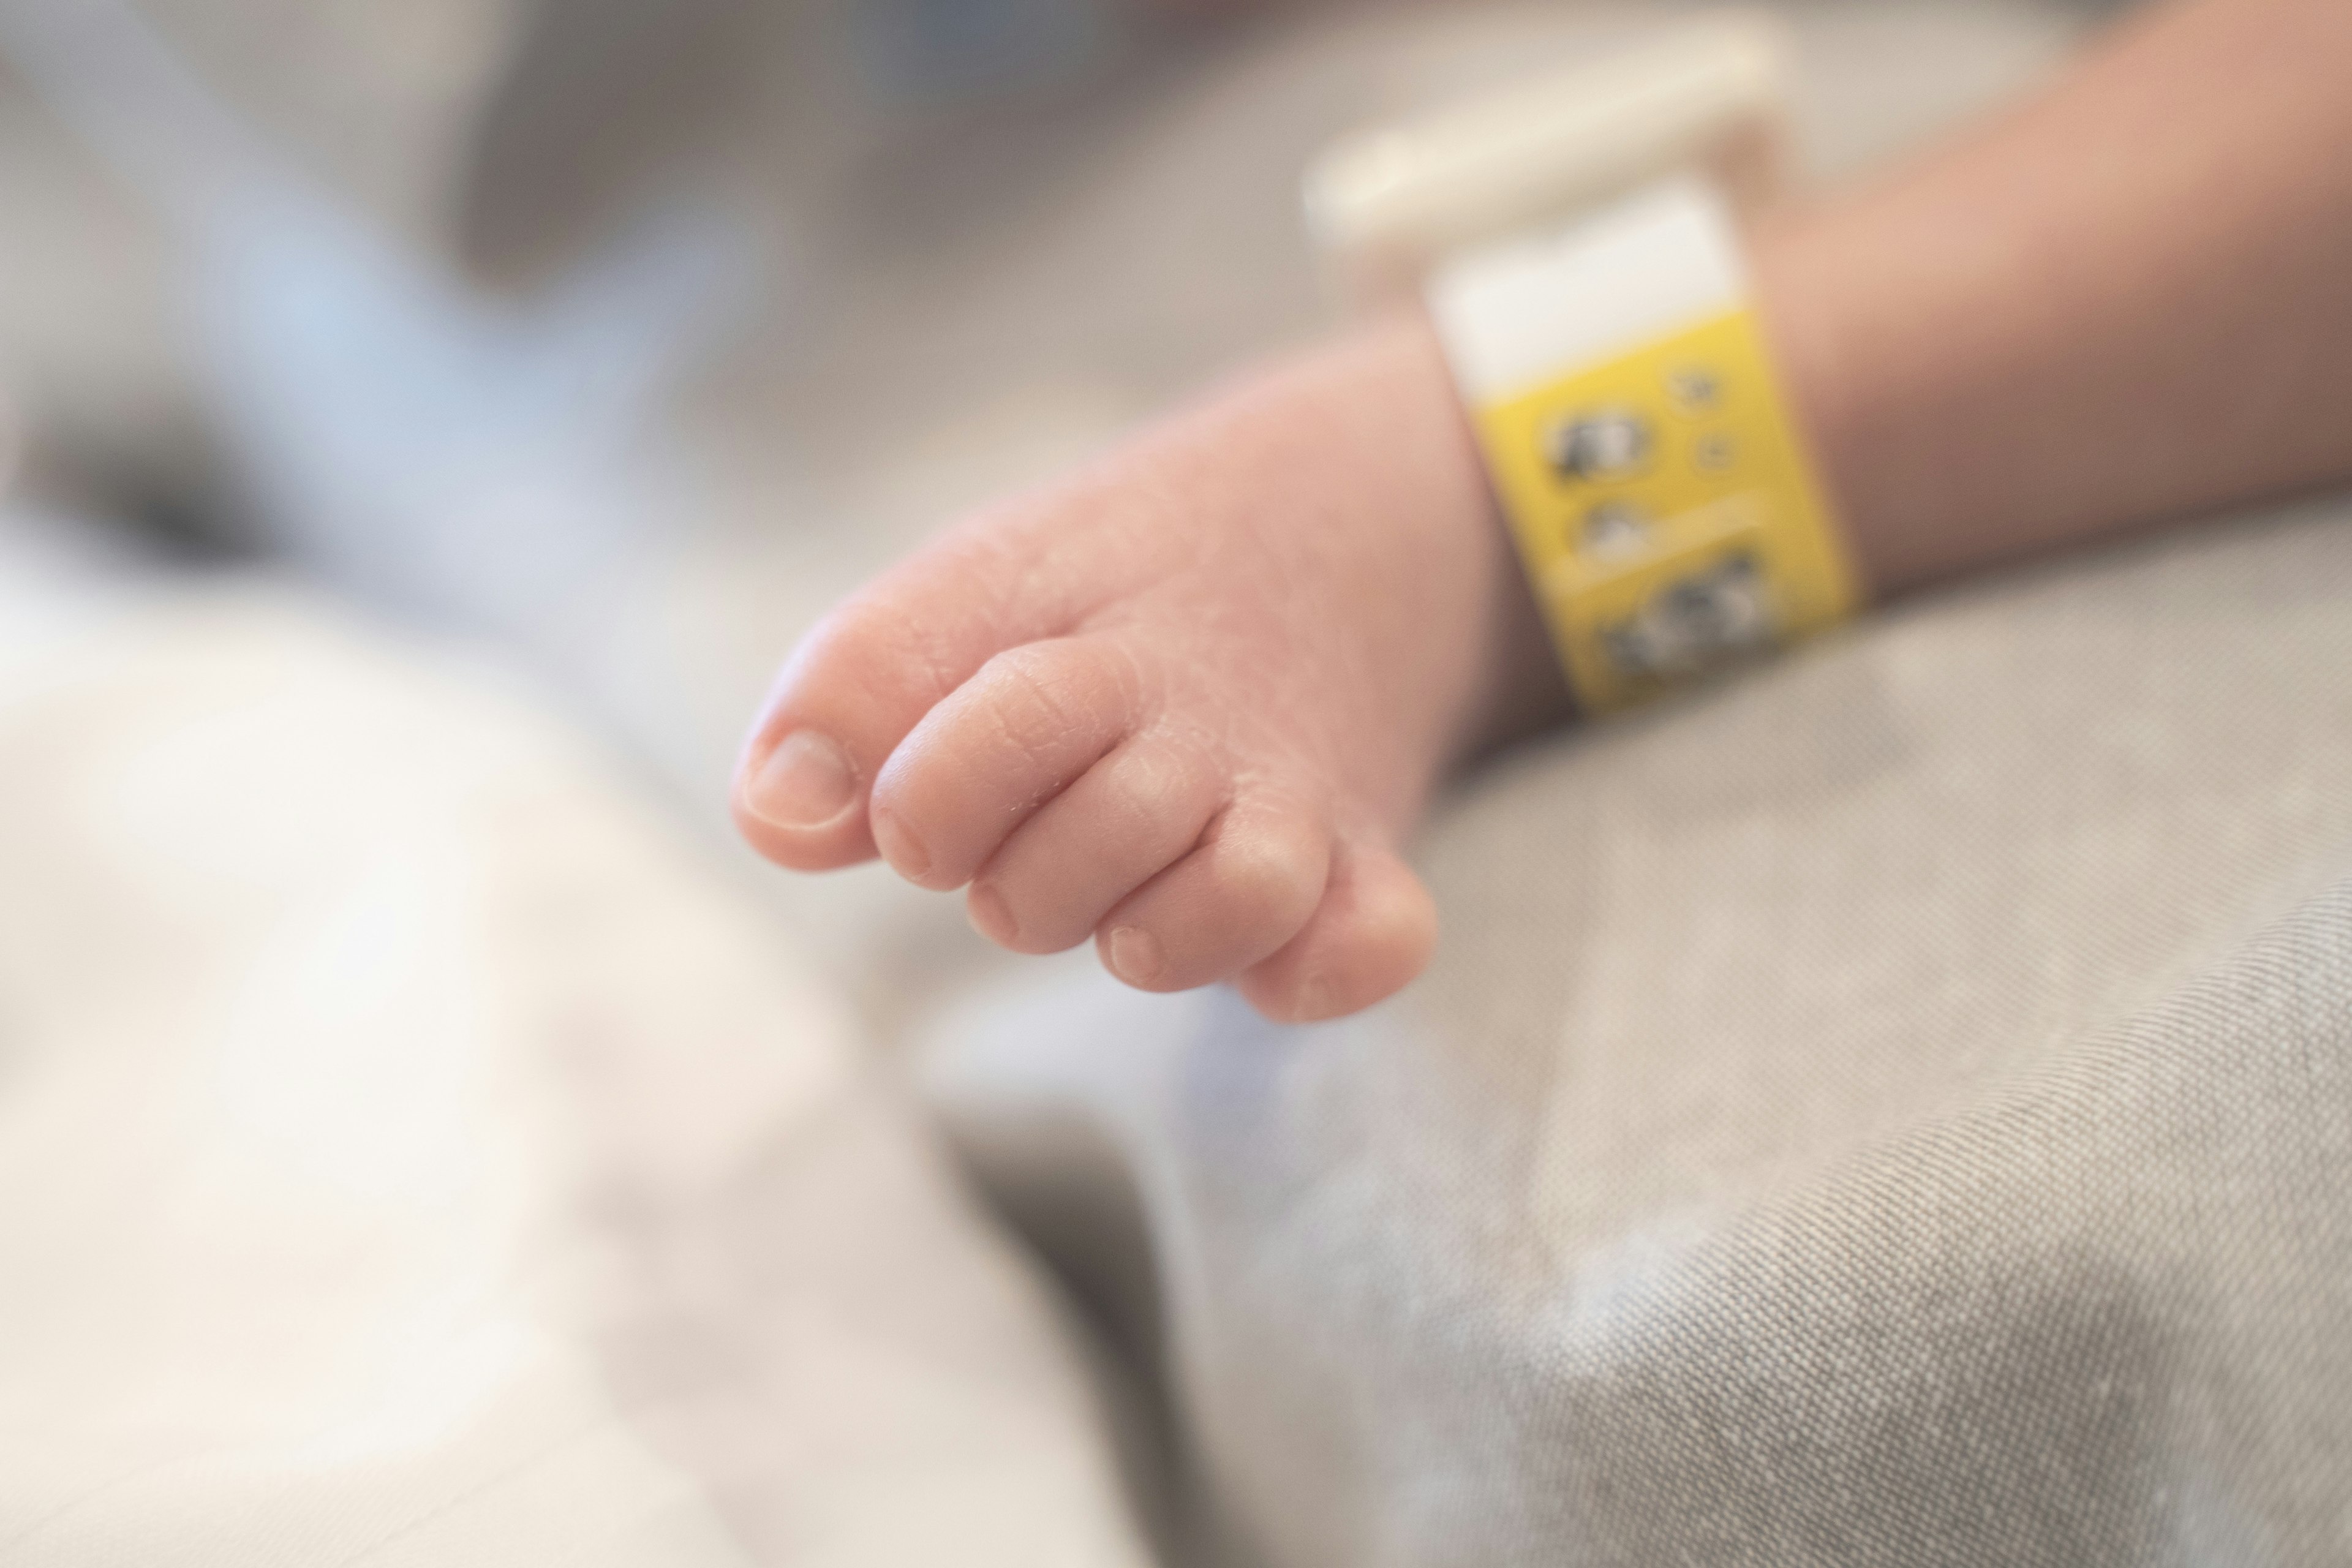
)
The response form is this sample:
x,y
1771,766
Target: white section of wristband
x,y
1520,313
1705,92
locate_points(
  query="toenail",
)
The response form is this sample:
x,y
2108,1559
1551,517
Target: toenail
x,y
1135,955
899,845
990,914
806,782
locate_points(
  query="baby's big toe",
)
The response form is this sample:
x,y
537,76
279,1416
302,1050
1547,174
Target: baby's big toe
x,y
852,692
804,786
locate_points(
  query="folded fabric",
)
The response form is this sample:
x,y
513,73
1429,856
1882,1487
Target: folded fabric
x,y
1894,1107
412,1151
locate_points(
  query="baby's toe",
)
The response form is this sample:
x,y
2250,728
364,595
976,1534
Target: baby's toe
x,y
1240,896
1132,814
996,749
1371,934
851,691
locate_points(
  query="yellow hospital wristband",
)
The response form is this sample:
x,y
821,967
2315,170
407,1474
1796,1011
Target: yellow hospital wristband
x,y
1658,491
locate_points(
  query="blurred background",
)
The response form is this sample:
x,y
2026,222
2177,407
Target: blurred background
x,y
609,341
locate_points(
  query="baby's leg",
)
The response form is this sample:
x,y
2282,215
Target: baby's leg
x,y
1188,703
1192,701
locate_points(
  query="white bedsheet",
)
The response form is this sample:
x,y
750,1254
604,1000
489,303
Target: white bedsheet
x,y
411,1153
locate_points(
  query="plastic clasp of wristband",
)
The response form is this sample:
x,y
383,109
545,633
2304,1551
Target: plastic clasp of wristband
x,y
1645,458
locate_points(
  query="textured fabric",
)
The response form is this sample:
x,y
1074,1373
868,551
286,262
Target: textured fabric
x,y
1896,1107
1920,1135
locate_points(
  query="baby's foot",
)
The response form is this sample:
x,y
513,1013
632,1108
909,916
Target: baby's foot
x,y
1187,703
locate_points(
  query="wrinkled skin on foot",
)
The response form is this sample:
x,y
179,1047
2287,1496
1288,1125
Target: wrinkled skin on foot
x,y
1187,703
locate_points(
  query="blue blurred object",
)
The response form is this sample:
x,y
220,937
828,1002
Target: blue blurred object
x,y
944,49
459,456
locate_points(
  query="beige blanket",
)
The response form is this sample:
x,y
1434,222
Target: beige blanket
x,y
1896,1108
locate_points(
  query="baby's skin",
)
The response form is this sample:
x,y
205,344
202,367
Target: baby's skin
x,y
1190,702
